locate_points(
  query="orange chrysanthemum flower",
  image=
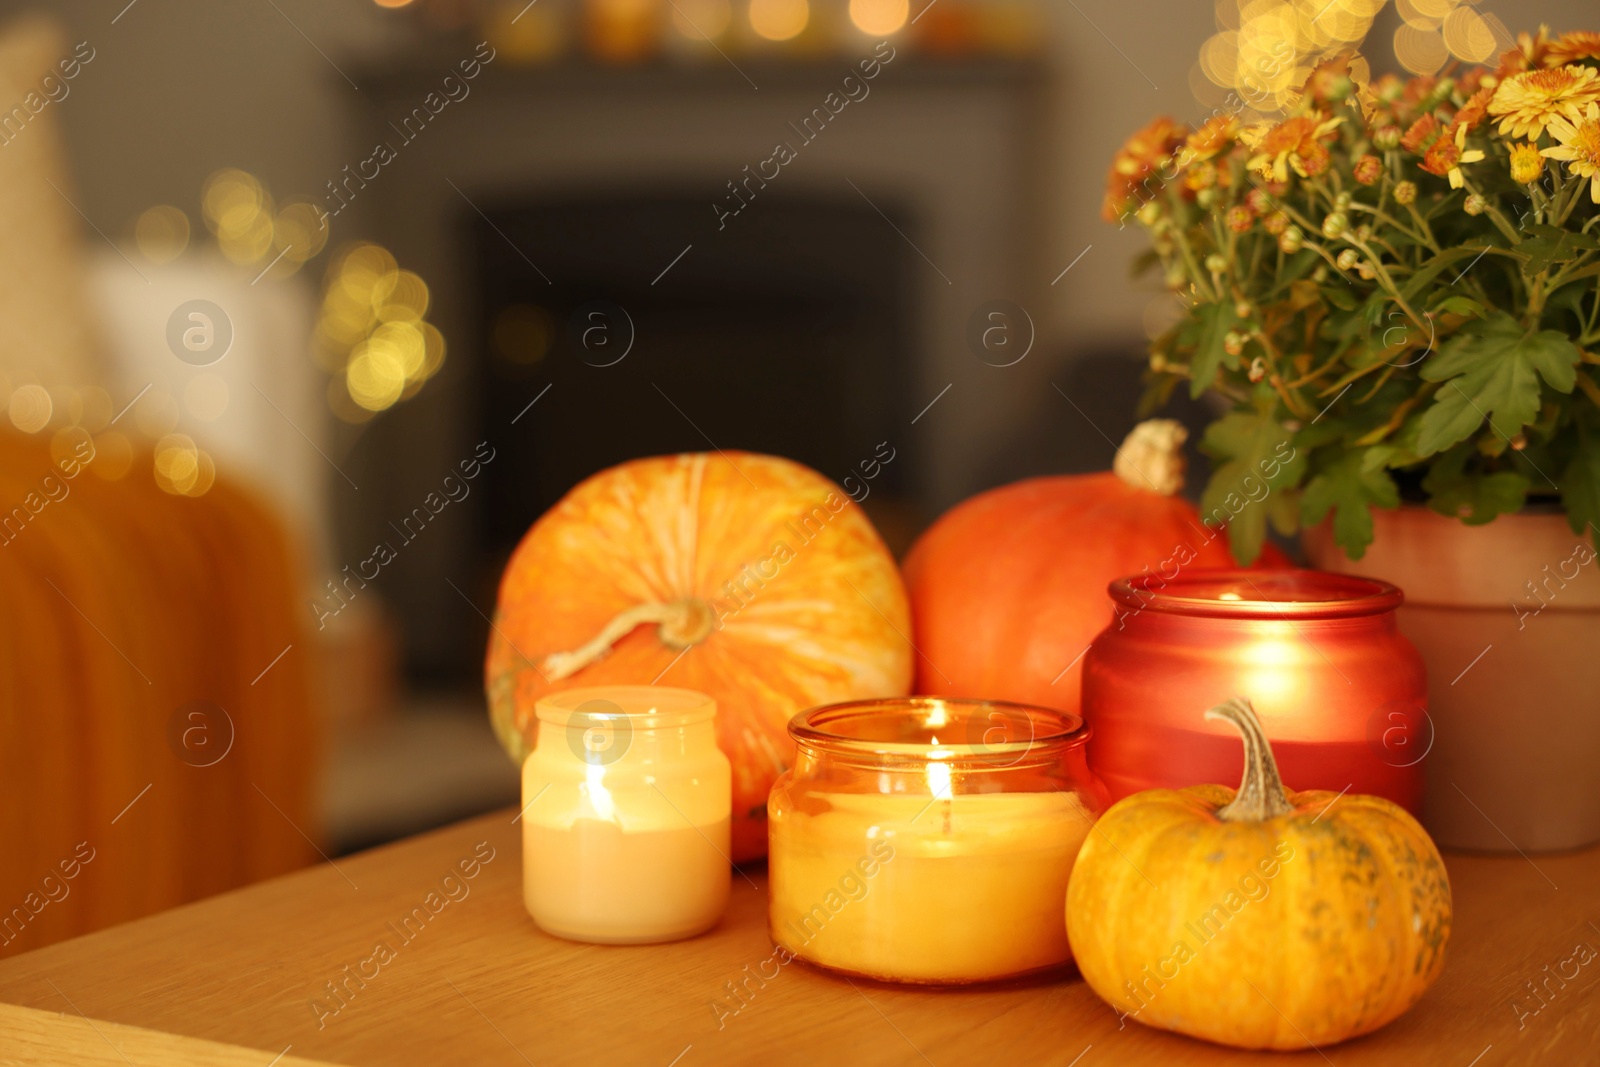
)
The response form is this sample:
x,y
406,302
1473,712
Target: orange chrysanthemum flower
x,y
1474,110
1215,134
1529,101
1579,147
1137,162
1573,47
1421,136
1297,141
1446,155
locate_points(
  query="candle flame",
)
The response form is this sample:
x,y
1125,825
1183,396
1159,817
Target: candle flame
x,y
939,778
599,796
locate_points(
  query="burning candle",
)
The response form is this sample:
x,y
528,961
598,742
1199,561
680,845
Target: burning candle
x,y
625,811
928,840
1341,694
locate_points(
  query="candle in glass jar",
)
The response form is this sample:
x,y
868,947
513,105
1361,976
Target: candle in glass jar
x,y
929,862
625,820
1342,695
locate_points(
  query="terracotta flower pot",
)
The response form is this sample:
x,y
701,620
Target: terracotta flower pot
x,y
1507,618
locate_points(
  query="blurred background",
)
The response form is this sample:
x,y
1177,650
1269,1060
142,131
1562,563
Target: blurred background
x,y
338,296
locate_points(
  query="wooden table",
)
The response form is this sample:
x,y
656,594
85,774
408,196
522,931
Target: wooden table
x,y
477,983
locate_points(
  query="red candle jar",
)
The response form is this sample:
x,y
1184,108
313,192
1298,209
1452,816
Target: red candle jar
x,y
1342,695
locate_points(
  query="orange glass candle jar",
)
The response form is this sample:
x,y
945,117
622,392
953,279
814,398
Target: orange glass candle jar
x,y
1342,695
928,840
625,815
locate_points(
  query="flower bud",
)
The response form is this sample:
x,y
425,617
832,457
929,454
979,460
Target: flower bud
x,y
1335,224
1365,270
1320,275
1368,170
1291,240
1244,309
1405,193
1205,198
1387,138
1258,369
1474,205
1150,213
1526,163
1240,218
1348,259
1233,343
1341,202
1216,263
1276,223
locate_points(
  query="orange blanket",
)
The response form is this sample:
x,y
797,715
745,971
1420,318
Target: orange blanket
x,y
140,631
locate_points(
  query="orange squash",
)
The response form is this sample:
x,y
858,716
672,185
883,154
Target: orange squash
x,y
747,577
1262,918
1008,588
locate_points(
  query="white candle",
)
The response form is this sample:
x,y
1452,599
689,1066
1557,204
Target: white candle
x,y
626,805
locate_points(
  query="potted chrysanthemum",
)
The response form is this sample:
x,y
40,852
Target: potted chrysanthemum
x,y
1394,289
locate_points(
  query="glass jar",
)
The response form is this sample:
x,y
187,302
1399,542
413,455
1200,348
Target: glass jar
x,y
929,840
1342,695
625,811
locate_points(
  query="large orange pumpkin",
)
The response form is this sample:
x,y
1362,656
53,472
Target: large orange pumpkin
x,y
747,577
1008,588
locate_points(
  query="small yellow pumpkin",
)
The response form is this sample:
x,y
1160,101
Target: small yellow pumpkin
x,y
1262,918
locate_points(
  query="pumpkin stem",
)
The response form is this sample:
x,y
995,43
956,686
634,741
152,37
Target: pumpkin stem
x,y
1151,457
682,623
1261,794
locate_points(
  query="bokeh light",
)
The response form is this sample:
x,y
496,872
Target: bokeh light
x,y
31,408
1421,51
779,20
879,18
177,464
371,334
700,20
162,233
1265,49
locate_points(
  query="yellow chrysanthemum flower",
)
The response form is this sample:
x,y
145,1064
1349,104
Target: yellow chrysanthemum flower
x,y
1579,147
1526,163
1529,102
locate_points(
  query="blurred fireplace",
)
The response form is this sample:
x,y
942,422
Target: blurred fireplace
x,y
788,333
811,325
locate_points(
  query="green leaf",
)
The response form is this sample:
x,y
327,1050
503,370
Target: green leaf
x,y
1580,485
1351,486
1256,458
1472,496
1550,245
1209,354
1464,255
1491,369
1460,305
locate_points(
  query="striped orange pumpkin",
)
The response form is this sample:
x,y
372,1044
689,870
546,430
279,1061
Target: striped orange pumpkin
x,y
747,577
